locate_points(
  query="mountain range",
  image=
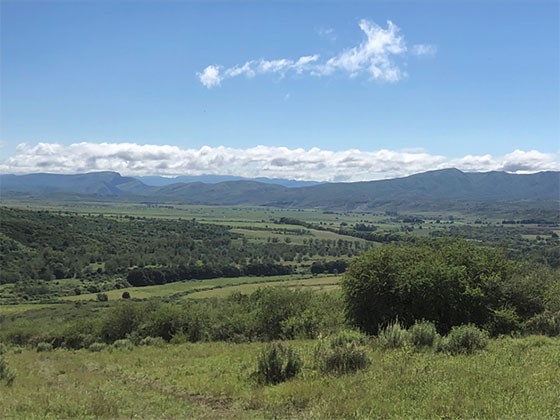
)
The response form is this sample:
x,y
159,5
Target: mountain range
x,y
445,184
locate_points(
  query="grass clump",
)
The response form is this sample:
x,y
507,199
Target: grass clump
x,y
423,334
393,336
342,352
6,373
123,344
465,339
153,341
97,346
278,362
44,347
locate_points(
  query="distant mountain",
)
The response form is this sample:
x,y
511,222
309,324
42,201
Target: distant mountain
x,y
427,188
93,183
160,181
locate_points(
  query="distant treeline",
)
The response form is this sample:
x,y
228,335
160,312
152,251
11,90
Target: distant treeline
x,y
360,230
149,276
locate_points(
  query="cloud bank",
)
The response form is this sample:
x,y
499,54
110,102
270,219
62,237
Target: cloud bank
x,y
376,57
260,161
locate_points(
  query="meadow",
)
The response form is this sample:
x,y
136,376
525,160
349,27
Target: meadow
x,y
513,378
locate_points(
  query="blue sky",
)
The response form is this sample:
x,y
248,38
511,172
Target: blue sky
x,y
104,85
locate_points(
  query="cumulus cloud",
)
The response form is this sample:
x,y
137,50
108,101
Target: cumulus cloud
x,y
376,56
260,161
210,76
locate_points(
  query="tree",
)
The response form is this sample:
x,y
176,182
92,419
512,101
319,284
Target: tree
x,y
450,283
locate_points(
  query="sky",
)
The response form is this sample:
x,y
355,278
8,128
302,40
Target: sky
x,y
326,91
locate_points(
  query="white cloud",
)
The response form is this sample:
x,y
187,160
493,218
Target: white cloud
x,y
274,162
373,56
376,56
210,76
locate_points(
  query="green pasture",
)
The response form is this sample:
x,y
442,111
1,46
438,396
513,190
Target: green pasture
x,y
183,287
314,283
514,378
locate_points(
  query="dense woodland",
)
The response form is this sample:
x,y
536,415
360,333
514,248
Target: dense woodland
x,y
45,246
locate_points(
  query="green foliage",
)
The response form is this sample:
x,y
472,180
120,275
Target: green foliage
x,y
102,297
342,352
7,375
346,336
121,320
343,359
123,344
393,336
465,339
126,295
504,321
547,323
423,334
97,346
278,362
447,282
3,349
153,341
44,347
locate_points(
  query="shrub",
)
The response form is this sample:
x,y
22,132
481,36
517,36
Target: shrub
x,y
344,358
547,323
126,295
504,321
342,352
97,346
393,336
7,374
423,334
153,341
123,344
346,336
3,349
278,362
102,297
465,339
44,347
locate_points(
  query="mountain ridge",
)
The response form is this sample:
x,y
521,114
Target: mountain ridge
x,y
443,184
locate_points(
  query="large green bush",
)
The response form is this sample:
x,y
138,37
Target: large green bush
x,y
447,282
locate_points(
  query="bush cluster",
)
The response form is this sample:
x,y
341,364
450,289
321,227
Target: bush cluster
x,y
267,314
450,283
462,339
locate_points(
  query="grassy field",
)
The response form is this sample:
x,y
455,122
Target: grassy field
x,y
514,378
185,287
314,283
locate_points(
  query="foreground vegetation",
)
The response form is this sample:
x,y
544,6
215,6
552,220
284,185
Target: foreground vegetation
x,y
513,378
